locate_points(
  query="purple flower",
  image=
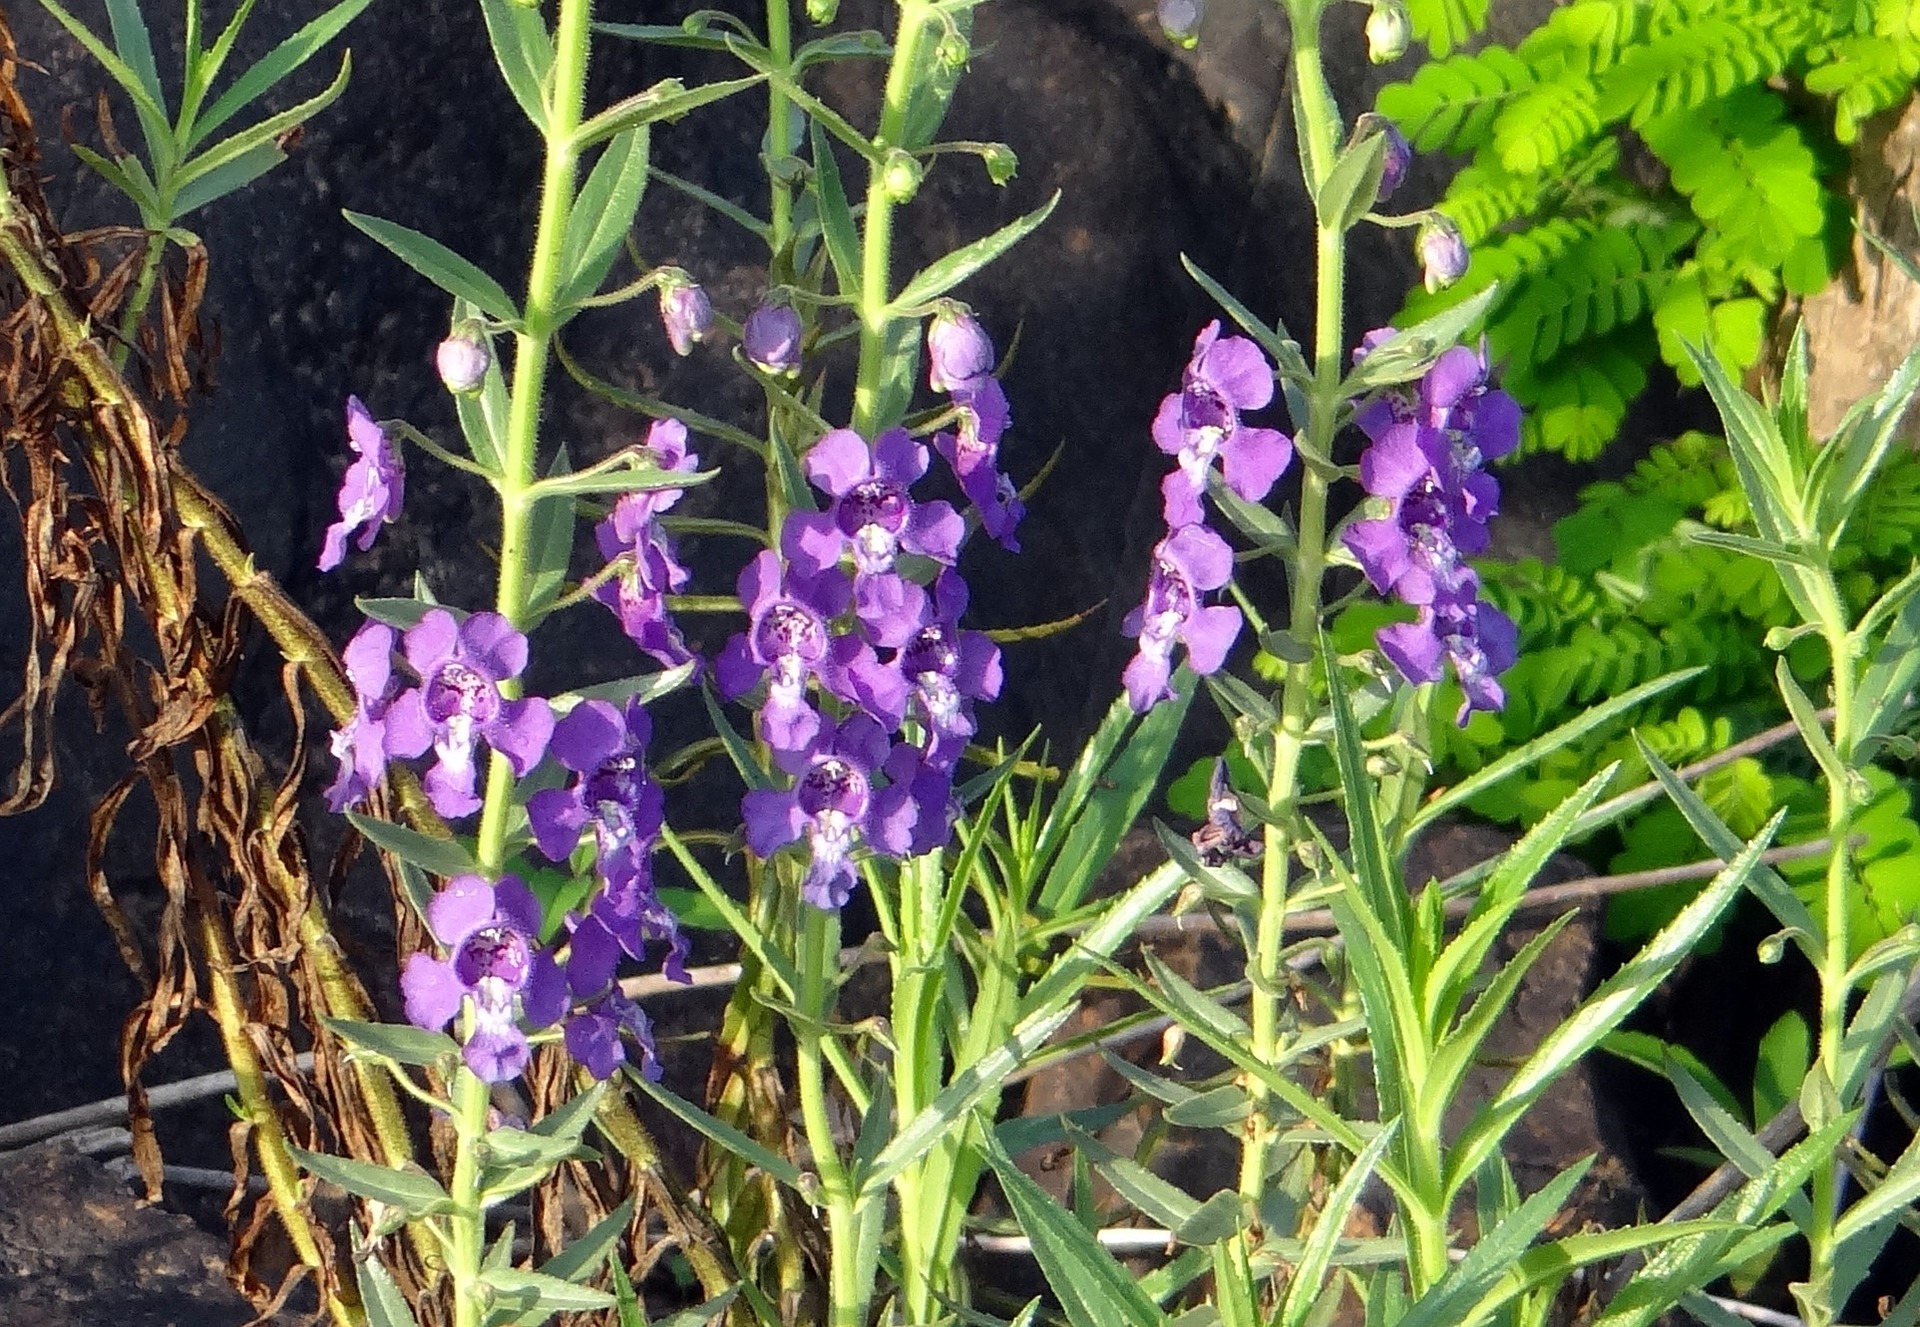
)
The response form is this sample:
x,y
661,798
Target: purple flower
x,y
874,517
973,451
491,933
361,745
1417,552
1187,563
686,312
771,338
598,1032
1443,252
638,595
462,361
370,492
1202,421
612,795
461,666
1476,638
833,805
786,641
1399,152
947,669
958,349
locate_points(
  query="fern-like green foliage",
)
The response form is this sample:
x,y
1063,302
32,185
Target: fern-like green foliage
x,y
1644,175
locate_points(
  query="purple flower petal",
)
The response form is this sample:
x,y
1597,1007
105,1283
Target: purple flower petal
x,y
432,993
838,461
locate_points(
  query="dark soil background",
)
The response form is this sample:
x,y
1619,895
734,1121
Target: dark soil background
x,y
1157,154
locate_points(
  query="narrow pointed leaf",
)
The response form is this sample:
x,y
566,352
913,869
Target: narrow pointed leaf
x,y
264,134
399,1042
443,857
722,1133
1807,719
384,1304
583,1256
1540,747
1316,1255
440,265
413,1191
1412,350
1093,1289
523,49
231,176
604,212
537,1296
956,267
666,100
1274,340
282,60
836,215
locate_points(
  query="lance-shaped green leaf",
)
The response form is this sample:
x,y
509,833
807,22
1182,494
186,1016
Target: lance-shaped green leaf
x,y
1604,1010
1729,1136
737,921
1275,340
125,174
736,1142
227,178
413,1191
644,687
147,105
1523,757
582,1257
1760,456
400,1042
1353,185
668,99
526,1299
250,142
1163,1203
1093,1289
384,1304
1104,794
946,273
1043,1010
445,857
1493,1253
1886,688
1380,887
130,39
836,215
1317,1253
1766,884
1863,444
1224,1107
1895,1191
440,265
1807,719
1551,1265
523,49
603,213
550,532
701,1314
1788,559
1411,351
282,60
1457,965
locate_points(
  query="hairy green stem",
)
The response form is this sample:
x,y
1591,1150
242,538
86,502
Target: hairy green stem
x,y
779,125
876,258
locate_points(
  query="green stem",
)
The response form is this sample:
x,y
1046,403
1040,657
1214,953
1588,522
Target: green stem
x,y
850,1286
876,258
1320,127
779,124
466,1224
540,319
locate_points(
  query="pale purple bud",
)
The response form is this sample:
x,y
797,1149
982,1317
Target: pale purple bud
x,y
771,338
1443,252
462,360
1388,31
1399,152
686,311
1180,21
958,349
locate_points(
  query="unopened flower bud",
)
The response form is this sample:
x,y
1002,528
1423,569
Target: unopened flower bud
x,y
1180,21
900,175
771,338
463,359
1443,253
953,52
1002,165
1399,153
822,11
958,348
1388,31
686,311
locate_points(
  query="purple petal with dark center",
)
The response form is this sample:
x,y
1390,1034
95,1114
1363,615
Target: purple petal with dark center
x,y
838,461
590,732
521,732
897,458
773,820
493,646
461,908
1254,460
1209,634
431,991
759,582
812,542
934,529
1413,649
1237,370
431,640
